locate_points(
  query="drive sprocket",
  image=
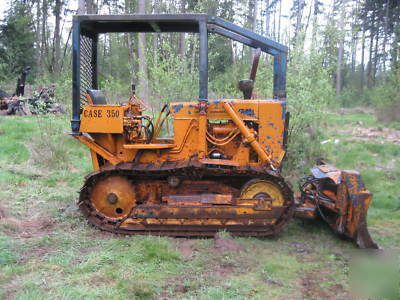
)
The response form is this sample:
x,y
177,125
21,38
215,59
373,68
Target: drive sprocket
x,y
113,197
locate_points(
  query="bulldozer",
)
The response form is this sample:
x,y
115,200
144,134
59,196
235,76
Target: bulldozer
x,y
221,169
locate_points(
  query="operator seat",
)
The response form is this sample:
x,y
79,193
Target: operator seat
x,y
97,97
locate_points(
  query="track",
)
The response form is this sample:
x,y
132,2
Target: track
x,y
160,218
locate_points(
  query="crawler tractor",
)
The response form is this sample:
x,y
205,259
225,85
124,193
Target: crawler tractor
x,y
221,170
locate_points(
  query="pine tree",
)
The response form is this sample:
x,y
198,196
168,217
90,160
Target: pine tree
x,y
17,39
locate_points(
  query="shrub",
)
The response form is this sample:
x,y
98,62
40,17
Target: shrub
x,y
309,91
386,98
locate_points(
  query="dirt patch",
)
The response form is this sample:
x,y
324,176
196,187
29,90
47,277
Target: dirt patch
x,y
24,173
223,270
376,135
35,254
220,268
88,250
222,244
32,227
355,110
218,264
180,288
311,286
105,235
10,290
312,289
24,228
185,247
3,211
304,252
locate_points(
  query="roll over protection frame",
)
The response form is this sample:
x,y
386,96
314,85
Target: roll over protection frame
x,y
86,29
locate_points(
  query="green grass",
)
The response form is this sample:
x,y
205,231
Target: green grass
x,y
60,256
378,162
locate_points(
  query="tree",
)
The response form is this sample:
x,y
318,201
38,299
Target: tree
x,y
340,48
81,7
17,40
182,47
57,37
142,45
90,7
297,14
43,44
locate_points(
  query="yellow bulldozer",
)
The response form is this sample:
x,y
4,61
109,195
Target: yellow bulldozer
x,y
221,170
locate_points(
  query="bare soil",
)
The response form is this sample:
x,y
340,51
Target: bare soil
x,y
33,226
222,244
356,110
312,286
185,247
376,135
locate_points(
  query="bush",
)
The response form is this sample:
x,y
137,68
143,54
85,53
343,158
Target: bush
x,y
386,98
309,91
353,97
171,78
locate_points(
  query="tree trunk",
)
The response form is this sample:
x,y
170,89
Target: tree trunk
x,y
300,8
182,46
252,20
43,52
57,38
363,58
314,26
340,50
299,16
90,8
395,46
279,21
38,38
385,36
110,44
376,58
369,67
143,82
155,35
354,41
233,52
267,20
81,7
254,24
307,23
129,42
273,34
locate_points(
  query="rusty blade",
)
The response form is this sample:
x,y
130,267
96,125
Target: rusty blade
x,y
341,200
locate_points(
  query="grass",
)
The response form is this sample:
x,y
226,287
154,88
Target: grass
x,y
48,251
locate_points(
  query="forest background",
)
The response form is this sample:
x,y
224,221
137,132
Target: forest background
x,y
342,53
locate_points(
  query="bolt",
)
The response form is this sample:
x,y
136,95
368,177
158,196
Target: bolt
x,y
173,181
112,198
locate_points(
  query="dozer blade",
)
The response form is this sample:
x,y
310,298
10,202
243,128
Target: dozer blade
x,y
340,199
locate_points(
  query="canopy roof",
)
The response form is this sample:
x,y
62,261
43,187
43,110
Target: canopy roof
x,y
94,24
